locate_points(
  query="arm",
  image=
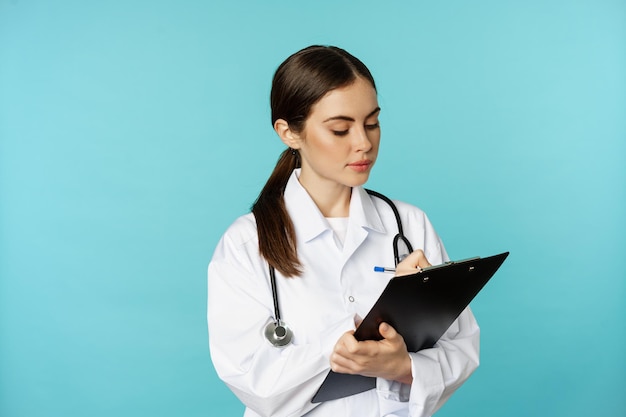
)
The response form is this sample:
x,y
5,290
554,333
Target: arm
x,y
439,371
387,358
426,379
269,380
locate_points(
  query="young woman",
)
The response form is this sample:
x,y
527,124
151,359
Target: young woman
x,y
320,234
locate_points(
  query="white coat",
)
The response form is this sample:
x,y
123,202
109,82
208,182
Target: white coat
x,y
337,286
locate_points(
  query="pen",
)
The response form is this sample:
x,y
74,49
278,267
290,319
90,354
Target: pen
x,y
385,269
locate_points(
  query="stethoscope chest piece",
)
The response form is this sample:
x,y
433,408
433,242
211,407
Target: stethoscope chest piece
x,y
278,333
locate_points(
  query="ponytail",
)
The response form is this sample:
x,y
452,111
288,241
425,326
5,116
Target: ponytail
x,y
276,232
299,82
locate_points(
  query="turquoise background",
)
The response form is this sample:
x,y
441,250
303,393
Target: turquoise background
x,y
132,133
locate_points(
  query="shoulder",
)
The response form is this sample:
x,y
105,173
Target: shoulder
x,y
240,238
242,230
413,214
408,212
409,209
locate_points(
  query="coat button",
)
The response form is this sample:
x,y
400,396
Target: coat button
x,y
351,298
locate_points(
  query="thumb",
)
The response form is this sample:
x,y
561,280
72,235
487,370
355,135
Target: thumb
x,y
415,261
386,331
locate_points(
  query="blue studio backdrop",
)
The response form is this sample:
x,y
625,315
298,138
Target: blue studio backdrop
x,y
132,133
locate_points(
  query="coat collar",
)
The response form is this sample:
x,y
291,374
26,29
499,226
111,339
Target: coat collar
x,y
310,223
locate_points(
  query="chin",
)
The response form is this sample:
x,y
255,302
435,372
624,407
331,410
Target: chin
x,y
358,180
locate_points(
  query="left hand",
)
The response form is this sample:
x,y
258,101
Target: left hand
x,y
387,358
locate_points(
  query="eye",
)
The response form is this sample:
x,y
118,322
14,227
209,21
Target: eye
x,y
340,132
372,126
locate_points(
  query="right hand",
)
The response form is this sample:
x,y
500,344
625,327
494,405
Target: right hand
x,y
413,263
386,358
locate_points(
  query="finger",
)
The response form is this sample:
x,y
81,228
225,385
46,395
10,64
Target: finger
x,y
342,364
358,360
391,336
414,262
386,331
357,320
418,259
346,357
346,344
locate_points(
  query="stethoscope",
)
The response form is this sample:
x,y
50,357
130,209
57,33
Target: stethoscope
x,y
278,332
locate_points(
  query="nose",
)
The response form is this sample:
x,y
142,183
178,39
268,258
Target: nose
x,y
362,140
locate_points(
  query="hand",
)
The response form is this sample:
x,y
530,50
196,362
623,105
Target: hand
x,y
412,263
387,358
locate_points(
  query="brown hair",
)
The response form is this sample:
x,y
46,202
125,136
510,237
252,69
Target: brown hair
x,y
299,82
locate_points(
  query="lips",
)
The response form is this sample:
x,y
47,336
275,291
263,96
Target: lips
x,y
360,166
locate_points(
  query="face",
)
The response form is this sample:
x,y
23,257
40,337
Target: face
x,y
339,143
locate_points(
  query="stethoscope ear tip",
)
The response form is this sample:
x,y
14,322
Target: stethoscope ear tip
x,y
278,333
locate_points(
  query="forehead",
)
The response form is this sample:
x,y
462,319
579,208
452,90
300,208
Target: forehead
x,y
356,100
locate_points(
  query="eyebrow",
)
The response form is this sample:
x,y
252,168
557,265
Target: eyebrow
x,y
351,119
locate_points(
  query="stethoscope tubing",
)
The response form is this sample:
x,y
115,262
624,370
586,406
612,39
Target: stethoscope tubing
x,y
274,294
286,334
400,236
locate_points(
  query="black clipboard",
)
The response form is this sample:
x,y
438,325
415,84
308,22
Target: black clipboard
x,y
421,307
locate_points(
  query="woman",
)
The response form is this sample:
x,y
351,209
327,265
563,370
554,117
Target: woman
x,y
322,233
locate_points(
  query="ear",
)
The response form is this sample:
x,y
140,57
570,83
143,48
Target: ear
x,y
289,137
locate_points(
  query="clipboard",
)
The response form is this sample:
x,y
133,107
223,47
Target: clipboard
x,y
421,307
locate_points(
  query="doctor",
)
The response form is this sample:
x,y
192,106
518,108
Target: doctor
x,y
322,233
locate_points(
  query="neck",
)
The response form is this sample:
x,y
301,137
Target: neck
x,y
333,201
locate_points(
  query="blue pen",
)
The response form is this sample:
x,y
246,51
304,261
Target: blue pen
x,y
385,269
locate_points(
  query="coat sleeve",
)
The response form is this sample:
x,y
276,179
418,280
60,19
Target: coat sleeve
x,y
269,380
440,370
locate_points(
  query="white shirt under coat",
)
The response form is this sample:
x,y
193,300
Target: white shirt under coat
x,y
338,285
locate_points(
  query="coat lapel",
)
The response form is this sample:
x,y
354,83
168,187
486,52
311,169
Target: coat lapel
x,y
363,219
310,223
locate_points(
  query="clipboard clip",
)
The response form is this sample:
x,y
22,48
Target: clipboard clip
x,y
443,265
